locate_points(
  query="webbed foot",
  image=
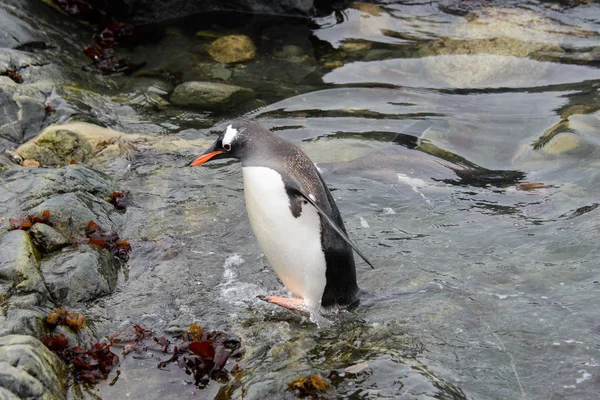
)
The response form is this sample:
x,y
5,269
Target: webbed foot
x,y
290,303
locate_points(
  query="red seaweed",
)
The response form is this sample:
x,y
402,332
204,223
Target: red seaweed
x,y
107,240
110,33
25,223
61,316
121,200
87,365
202,354
15,76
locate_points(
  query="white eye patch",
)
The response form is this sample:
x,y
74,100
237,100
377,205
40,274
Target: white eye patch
x,y
230,134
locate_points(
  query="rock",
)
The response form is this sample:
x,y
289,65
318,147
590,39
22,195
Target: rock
x,y
30,163
6,162
22,321
208,34
333,64
16,32
561,143
580,132
289,51
368,9
19,262
492,47
219,71
61,144
209,95
47,239
143,12
5,394
23,188
79,275
28,370
356,368
22,112
232,49
71,212
16,60
354,47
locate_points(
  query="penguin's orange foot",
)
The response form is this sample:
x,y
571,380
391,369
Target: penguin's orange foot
x,y
285,302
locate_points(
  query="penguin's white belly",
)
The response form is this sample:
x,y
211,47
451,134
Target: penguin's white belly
x,y
292,245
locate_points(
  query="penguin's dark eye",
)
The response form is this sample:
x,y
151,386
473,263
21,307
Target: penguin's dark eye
x,y
227,146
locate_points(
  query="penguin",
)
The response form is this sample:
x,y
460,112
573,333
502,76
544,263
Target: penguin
x,y
293,217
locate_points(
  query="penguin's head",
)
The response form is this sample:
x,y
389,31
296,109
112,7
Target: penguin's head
x,y
234,142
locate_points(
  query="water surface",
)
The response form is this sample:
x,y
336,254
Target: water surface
x,y
481,291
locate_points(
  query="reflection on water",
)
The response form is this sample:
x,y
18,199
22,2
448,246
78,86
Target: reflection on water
x,y
424,118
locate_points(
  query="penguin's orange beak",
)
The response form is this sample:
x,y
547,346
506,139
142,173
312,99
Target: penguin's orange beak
x,y
204,158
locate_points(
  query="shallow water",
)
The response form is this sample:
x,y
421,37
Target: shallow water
x,y
481,290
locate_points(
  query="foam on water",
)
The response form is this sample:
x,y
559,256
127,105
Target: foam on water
x,y
233,291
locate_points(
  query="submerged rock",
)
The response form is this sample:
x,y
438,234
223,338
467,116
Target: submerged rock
x,y
573,137
488,47
232,49
147,12
209,95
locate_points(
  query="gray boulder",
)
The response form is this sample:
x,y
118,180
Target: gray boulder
x,y
22,321
47,239
80,275
28,370
23,189
71,212
15,32
19,262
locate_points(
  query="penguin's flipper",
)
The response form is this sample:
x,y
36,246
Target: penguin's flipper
x,y
327,218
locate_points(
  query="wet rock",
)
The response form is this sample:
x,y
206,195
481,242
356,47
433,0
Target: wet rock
x,y
368,9
561,143
355,47
30,163
16,60
5,394
28,370
47,239
22,112
62,144
488,47
150,11
289,52
19,262
6,162
22,320
221,72
24,189
78,275
16,32
232,49
71,212
209,95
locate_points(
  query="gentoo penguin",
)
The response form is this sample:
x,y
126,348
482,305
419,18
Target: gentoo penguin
x,y
293,216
